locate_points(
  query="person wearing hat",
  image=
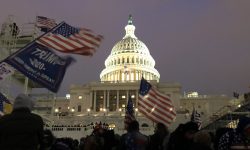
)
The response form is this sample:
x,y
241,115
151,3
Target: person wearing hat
x,y
134,139
182,137
21,130
238,138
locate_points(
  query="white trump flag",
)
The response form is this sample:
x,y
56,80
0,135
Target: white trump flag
x,y
5,70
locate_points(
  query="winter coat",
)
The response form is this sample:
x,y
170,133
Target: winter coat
x,y
134,141
21,130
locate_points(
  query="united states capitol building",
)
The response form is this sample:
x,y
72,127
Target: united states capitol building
x,y
105,100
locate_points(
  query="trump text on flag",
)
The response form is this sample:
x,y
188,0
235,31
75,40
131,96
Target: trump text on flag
x,y
41,65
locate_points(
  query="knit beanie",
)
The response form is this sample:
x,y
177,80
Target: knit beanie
x,y
23,101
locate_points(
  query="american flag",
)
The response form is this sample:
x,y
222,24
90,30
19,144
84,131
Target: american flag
x,y
45,23
2,100
155,105
196,117
129,114
69,39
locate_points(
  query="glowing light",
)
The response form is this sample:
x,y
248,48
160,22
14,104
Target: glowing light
x,y
111,126
67,96
192,94
56,110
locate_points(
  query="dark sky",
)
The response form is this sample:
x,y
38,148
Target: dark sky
x,y
202,44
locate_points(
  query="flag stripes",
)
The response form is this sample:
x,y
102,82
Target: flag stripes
x,y
44,22
161,100
68,39
152,112
155,105
196,117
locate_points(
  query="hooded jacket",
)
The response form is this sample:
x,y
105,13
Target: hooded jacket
x,y
21,130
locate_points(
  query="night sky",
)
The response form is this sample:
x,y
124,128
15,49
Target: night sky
x,y
202,44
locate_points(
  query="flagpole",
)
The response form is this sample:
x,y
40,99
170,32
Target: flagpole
x,y
26,81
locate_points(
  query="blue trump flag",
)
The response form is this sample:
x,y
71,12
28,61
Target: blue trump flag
x,y
41,65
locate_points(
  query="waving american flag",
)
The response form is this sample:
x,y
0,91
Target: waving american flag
x,y
196,117
68,39
45,23
155,105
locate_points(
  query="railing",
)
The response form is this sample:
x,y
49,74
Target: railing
x,y
225,110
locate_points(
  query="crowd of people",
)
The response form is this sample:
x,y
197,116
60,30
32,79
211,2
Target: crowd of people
x,y
23,130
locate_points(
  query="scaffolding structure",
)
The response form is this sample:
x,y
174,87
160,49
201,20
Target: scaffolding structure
x,y
12,38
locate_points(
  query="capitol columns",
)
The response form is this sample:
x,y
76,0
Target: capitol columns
x,y
94,108
117,100
91,100
104,99
107,100
127,95
136,98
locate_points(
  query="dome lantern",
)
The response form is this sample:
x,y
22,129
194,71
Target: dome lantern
x,y
130,29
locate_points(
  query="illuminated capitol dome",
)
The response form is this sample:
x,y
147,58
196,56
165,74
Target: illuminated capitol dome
x,y
129,60
105,100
